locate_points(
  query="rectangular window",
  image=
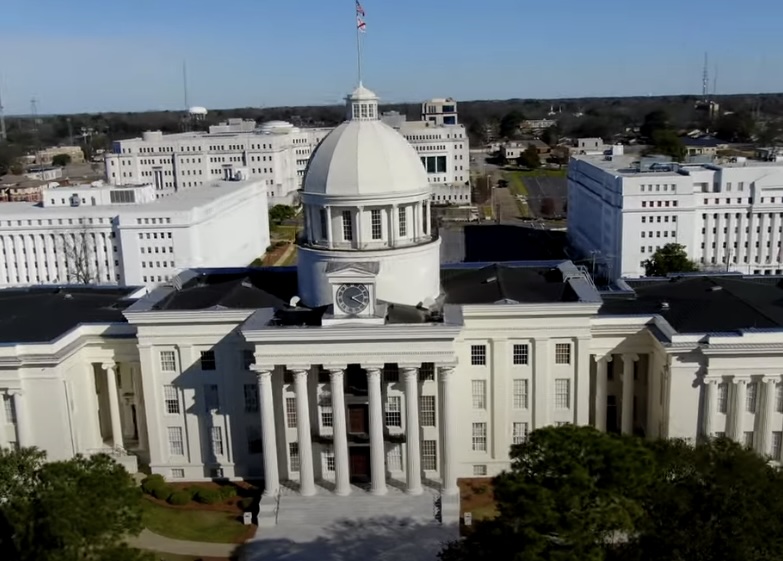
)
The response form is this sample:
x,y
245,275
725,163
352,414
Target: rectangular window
x,y
403,217
779,397
347,226
394,457
479,437
518,433
327,413
178,473
171,400
208,360
480,470
10,409
391,373
251,398
293,455
393,411
723,397
478,355
290,412
479,393
211,398
747,438
427,372
562,393
429,455
217,441
520,394
255,444
168,361
324,224
750,397
427,410
520,354
563,353
375,224
328,458
176,447
777,442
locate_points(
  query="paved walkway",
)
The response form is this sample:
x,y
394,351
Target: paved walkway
x,y
285,256
155,542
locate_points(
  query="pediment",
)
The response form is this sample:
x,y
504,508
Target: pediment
x,y
361,269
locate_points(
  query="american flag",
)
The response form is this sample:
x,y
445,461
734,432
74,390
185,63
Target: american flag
x,y
360,25
359,9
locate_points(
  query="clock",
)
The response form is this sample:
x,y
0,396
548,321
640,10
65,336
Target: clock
x,y
352,298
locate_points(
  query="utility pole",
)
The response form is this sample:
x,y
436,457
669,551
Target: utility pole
x,y
3,135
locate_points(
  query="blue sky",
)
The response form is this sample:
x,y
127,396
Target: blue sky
x,y
99,55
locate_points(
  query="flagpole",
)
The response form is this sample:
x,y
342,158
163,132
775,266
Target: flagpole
x,y
358,48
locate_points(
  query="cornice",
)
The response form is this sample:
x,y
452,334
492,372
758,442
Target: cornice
x,y
382,333
175,317
724,349
554,309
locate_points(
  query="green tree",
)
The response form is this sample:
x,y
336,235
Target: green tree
x,y
667,143
280,213
529,158
735,127
570,491
74,510
671,258
717,501
61,160
509,124
9,155
551,135
654,121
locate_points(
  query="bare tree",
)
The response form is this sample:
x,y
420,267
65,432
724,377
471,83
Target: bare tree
x,y
80,256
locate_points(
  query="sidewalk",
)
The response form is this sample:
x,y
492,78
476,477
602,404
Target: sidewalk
x,y
154,542
284,257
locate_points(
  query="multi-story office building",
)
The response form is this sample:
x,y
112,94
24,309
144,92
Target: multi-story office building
x,y
729,216
277,154
125,235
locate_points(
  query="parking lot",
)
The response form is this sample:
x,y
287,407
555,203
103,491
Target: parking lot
x,y
546,196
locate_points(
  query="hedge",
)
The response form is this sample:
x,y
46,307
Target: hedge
x,y
152,482
179,498
208,496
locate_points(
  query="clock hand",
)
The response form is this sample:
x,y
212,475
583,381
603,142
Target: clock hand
x,y
355,299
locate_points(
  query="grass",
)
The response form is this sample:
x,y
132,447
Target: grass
x,y
515,181
283,232
177,557
192,525
290,260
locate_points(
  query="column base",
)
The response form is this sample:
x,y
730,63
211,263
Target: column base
x,y
307,492
449,491
379,491
342,492
414,491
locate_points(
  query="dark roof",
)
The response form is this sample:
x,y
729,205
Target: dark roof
x,y
44,313
496,282
704,304
250,288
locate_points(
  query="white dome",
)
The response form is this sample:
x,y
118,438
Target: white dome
x,y
277,127
196,110
364,156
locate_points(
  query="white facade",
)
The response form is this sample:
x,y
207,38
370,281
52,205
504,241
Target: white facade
x,y
729,217
124,235
276,153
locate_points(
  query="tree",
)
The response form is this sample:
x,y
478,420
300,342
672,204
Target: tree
x,y
671,258
280,213
735,127
570,491
529,158
654,121
509,124
666,142
79,250
718,500
61,160
72,510
551,135
9,155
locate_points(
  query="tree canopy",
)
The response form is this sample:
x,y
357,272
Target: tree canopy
x,y
61,160
74,510
576,494
529,158
671,258
509,124
280,213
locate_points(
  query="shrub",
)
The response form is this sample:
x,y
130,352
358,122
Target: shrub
x,y
192,492
162,493
247,504
208,496
179,498
227,492
152,482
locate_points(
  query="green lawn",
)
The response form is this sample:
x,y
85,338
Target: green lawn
x,y
175,557
280,232
193,525
515,181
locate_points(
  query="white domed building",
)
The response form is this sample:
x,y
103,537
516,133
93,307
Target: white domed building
x,y
366,201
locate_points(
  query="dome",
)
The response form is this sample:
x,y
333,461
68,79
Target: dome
x,y
364,156
277,127
196,110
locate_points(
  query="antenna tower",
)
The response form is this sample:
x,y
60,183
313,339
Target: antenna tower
x,y
3,135
34,113
705,79
185,83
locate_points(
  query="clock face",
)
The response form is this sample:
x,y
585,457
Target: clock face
x,y
353,298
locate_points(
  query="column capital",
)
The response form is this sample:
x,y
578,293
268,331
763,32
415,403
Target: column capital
x,y
740,381
605,358
771,379
335,373
13,392
373,369
106,366
333,368
446,371
409,372
709,381
299,373
261,372
630,357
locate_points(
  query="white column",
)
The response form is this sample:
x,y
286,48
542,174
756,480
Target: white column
x,y
306,476
448,427
738,409
765,415
329,233
114,403
23,437
358,237
339,427
429,217
627,414
377,453
413,447
710,399
271,476
394,215
601,366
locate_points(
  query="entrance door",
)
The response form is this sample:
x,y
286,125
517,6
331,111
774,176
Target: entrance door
x,y
357,419
612,424
360,463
